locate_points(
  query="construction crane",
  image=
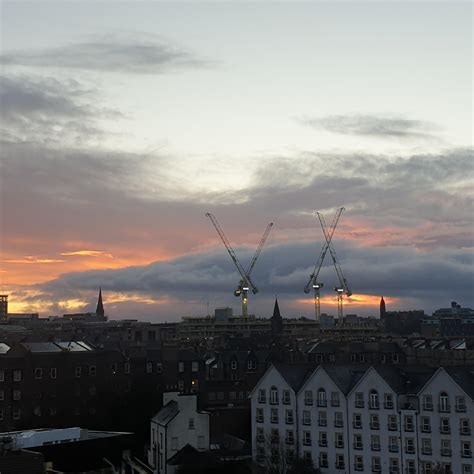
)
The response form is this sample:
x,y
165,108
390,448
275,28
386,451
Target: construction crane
x,y
246,282
343,285
313,278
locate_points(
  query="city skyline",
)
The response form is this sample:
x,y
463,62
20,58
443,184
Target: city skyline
x,y
123,124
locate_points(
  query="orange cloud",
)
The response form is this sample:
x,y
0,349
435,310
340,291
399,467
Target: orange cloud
x,y
87,253
29,259
351,301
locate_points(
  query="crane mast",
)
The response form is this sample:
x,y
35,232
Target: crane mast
x,y
246,282
313,278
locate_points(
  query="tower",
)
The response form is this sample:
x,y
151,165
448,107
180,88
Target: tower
x,y
3,307
382,309
100,305
277,321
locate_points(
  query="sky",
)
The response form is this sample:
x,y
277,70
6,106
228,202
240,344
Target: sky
x,y
123,123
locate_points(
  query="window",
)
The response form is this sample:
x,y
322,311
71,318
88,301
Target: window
x,y
335,399
275,436
426,467
339,440
191,424
149,367
358,441
194,366
332,358
126,368
286,397
388,401
262,395
2,395
338,420
78,372
306,417
92,370
361,358
409,423
444,426
460,404
308,397
53,372
274,415
2,375
466,449
17,376
445,447
307,456
426,446
374,422
174,443
467,469
194,385
289,417
307,438
201,442
375,442
443,405
409,445
353,358
290,456
233,395
357,420
376,465
16,413
290,437
259,415
323,459
394,468
159,367
393,444
323,439
1,414
411,469
260,454
340,464
359,400
464,426
382,358
16,395
374,400
260,435
181,367
425,424
427,402
392,423
395,358
113,368
38,373
322,418
181,385
322,401
274,396
251,364
358,463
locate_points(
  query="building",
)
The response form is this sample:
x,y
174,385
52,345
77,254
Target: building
x,y
377,419
177,425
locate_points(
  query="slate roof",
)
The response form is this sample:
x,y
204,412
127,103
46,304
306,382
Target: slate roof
x,y
295,375
190,456
167,413
345,377
464,377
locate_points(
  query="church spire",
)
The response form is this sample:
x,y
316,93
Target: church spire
x,y
382,308
276,310
100,305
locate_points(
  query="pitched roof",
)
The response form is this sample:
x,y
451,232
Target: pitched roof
x,y
167,413
190,456
464,377
276,310
345,377
295,375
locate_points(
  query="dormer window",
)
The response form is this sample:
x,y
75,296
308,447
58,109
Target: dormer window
x,y
233,364
251,364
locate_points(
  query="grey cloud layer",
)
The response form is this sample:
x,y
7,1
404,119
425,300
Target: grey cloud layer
x,y
135,54
283,270
372,126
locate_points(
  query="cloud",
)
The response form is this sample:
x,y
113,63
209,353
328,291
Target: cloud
x,y
372,126
125,53
402,274
87,253
31,259
49,110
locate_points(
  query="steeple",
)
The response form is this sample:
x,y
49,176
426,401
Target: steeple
x,y
276,310
100,305
382,308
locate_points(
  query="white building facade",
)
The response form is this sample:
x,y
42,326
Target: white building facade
x,y
177,424
380,420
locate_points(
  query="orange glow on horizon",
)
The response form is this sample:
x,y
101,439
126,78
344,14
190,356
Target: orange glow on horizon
x,y
352,301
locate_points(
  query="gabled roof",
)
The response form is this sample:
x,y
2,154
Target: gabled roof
x,y
190,456
295,375
464,377
345,377
167,413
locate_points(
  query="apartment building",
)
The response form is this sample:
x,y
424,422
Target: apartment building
x,y
377,419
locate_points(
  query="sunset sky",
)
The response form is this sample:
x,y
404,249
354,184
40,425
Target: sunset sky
x,y
123,123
